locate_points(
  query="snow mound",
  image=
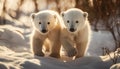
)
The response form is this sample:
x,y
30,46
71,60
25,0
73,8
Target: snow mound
x,y
15,52
26,60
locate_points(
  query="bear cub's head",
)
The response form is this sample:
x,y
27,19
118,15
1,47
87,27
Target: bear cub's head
x,y
44,21
74,19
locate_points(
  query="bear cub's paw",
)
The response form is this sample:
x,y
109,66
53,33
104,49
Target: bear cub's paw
x,y
72,52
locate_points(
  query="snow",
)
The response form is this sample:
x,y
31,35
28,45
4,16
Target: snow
x,y
99,40
116,66
15,52
28,61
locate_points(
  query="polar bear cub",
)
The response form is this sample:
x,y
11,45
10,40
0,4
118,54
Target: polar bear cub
x,y
46,27
76,32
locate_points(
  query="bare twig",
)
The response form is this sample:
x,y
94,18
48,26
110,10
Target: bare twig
x,y
115,56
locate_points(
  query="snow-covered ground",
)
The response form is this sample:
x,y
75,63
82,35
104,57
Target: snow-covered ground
x,y
15,52
100,40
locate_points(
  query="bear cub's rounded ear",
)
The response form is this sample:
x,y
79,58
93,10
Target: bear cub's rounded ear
x,y
62,13
85,14
32,15
55,16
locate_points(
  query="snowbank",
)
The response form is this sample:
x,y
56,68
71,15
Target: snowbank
x,y
27,61
15,53
99,40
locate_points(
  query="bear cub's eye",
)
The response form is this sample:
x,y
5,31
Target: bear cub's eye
x,y
67,21
48,22
76,21
39,22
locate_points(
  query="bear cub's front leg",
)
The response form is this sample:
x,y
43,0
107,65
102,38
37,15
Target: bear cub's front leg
x,y
37,47
68,46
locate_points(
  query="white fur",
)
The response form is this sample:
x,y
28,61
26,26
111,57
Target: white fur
x,y
75,43
38,38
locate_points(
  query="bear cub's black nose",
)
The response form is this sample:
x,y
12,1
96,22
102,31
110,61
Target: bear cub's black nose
x,y
44,30
72,29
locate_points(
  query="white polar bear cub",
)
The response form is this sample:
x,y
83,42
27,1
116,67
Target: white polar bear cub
x,y
76,32
46,27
